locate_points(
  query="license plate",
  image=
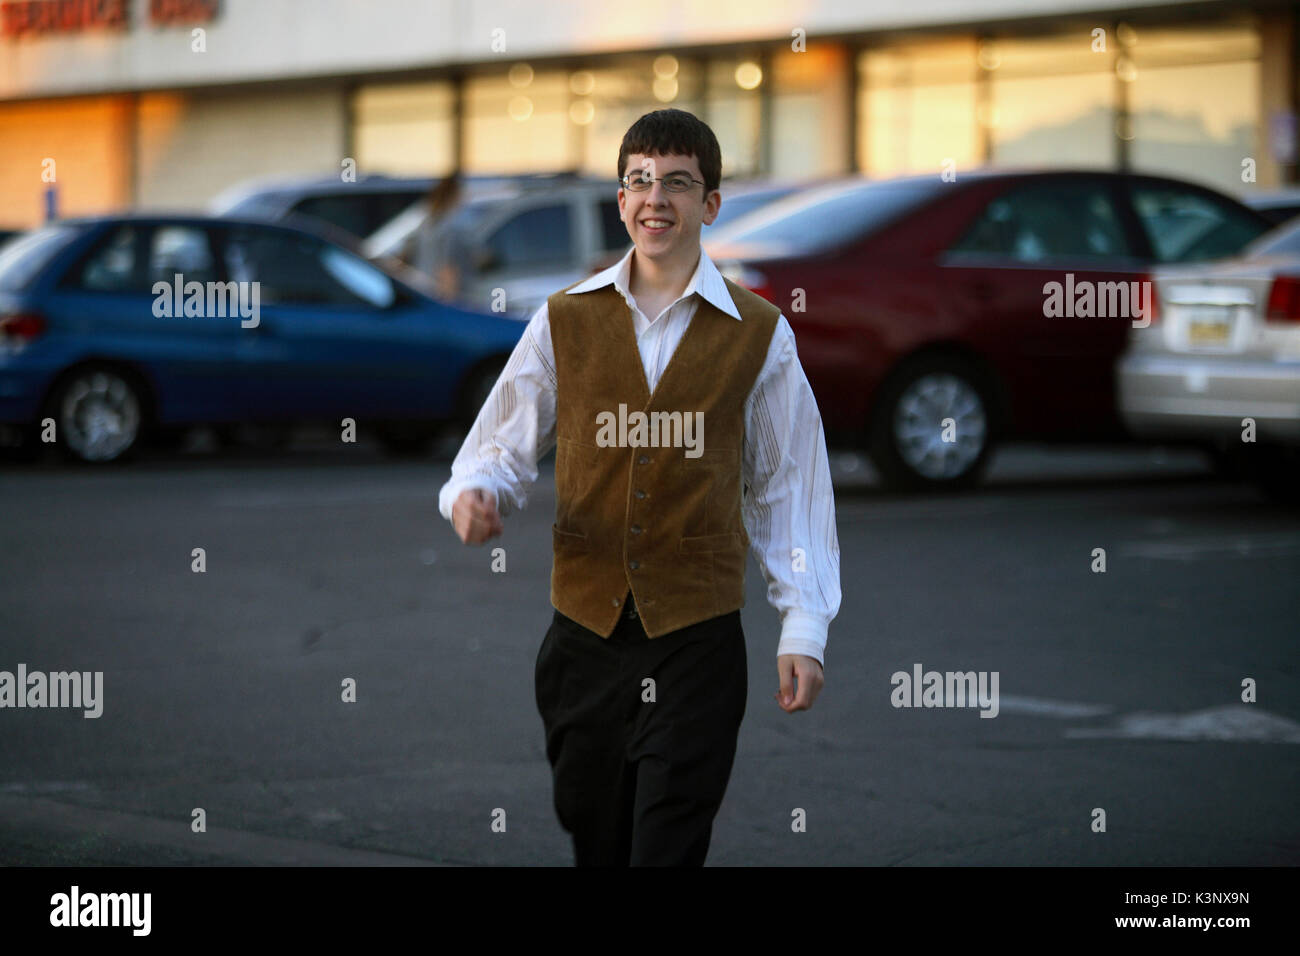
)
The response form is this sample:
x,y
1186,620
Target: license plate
x,y
1208,327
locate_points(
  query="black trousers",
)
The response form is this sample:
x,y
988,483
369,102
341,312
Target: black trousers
x,y
638,782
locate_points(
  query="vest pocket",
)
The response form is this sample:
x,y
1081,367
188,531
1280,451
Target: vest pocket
x,y
729,541
568,540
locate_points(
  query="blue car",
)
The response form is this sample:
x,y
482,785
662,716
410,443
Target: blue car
x,y
119,327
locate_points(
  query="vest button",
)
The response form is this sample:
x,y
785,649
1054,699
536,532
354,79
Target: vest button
x,y
635,529
639,493
643,460
617,602
634,565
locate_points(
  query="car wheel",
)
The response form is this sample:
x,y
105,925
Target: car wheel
x,y
932,428
97,412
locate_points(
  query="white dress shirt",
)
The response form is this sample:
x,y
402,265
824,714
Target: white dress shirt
x,y
789,504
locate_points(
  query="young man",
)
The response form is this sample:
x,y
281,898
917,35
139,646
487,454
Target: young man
x,y
641,680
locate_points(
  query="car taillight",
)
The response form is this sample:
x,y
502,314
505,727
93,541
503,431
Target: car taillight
x,y
19,328
751,279
1284,300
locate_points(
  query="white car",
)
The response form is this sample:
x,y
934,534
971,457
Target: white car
x,y
1219,362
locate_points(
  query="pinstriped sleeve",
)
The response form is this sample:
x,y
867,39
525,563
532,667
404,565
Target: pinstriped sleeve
x,y
789,508
514,428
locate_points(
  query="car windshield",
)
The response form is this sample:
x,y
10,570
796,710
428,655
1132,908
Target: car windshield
x,y
1281,241
830,216
733,207
26,255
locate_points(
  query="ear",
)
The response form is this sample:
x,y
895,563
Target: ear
x,y
712,203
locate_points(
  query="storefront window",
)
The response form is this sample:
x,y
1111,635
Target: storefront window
x,y
1194,98
517,121
809,109
734,112
608,100
1051,100
917,107
405,129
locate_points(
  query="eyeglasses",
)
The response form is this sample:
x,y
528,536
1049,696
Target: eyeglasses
x,y
676,183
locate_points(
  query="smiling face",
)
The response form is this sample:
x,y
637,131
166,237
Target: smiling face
x,y
665,226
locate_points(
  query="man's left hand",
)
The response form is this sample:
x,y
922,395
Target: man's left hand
x,y
807,672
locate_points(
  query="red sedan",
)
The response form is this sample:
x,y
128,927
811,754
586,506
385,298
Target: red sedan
x,y
935,317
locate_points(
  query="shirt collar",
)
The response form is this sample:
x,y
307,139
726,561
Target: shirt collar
x,y
707,281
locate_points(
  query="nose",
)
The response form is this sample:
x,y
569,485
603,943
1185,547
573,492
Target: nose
x,y
656,193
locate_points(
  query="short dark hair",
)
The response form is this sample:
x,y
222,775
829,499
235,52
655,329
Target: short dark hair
x,y
677,132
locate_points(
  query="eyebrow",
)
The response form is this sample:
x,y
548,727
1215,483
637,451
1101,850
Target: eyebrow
x,y
675,172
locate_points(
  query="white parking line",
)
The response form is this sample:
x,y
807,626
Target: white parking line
x,y
1263,545
1043,707
1235,722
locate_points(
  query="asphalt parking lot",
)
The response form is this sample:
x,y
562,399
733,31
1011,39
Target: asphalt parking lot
x,y
222,690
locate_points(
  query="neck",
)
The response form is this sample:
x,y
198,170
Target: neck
x,y
661,277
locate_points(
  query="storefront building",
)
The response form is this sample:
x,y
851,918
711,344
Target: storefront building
x,y
164,103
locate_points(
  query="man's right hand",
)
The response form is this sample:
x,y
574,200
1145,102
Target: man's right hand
x,y
475,517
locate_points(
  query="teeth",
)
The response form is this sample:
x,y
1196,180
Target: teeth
x,y
656,223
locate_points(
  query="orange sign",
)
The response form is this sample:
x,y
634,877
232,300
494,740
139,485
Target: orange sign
x,y
167,13
19,17
39,17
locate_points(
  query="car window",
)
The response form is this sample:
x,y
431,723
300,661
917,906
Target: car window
x,y
24,256
826,217
179,250
115,265
293,269
733,207
134,257
1186,225
1280,241
613,234
388,205
533,238
350,211
1048,220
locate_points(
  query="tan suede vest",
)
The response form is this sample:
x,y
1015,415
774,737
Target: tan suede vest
x,y
651,519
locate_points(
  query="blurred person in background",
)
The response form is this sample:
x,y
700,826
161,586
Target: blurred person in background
x,y
441,253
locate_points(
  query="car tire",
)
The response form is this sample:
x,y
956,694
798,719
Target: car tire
x,y
906,440
99,413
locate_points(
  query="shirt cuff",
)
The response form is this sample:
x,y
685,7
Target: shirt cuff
x,y
803,633
452,489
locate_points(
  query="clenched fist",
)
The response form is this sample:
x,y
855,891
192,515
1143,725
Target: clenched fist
x,y
475,517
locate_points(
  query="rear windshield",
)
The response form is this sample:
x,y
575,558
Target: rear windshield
x,y
830,216
1280,241
24,256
